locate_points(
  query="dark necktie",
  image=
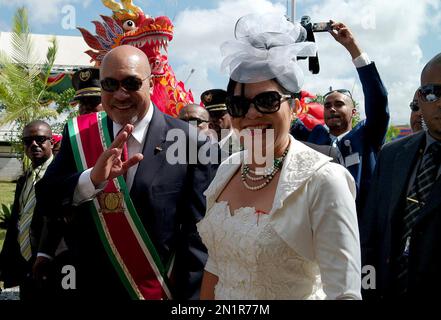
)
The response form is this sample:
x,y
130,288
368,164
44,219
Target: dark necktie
x,y
416,199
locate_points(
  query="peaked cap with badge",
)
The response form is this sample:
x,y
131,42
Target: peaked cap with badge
x,y
214,100
86,83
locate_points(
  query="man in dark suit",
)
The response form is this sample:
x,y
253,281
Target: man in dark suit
x,y
360,145
168,198
401,226
23,234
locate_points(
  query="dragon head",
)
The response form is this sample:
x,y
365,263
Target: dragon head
x,y
130,26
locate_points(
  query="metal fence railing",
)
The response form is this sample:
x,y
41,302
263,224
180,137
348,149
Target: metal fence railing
x,y
8,135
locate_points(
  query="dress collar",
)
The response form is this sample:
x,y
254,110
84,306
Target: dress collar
x,y
300,164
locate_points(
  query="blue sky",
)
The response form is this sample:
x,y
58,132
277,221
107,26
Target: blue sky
x,y
399,35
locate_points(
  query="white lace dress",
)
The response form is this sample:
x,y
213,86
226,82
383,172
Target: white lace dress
x,y
306,247
252,261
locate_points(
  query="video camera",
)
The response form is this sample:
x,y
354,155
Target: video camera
x,y
305,21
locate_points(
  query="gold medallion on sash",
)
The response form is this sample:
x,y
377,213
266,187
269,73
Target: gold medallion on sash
x,y
111,202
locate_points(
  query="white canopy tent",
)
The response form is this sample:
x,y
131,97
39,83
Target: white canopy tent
x,y
70,55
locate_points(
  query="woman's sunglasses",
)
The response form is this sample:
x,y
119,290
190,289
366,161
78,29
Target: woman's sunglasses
x,y
131,83
197,120
430,92
265,102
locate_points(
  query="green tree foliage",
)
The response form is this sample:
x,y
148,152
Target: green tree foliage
x,y
392,133
24,91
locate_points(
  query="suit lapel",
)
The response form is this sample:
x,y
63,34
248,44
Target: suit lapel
x,y
403,165
320,135
433,202
153,150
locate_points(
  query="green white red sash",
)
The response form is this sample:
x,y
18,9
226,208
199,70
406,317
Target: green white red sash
x,y
122,233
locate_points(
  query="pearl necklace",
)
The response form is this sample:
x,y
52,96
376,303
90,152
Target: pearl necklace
x,y
268,176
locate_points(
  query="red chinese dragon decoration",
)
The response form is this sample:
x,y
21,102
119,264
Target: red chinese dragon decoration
x,y
130,26
311,113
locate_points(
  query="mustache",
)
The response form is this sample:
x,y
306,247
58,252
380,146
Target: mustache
x,y
334,116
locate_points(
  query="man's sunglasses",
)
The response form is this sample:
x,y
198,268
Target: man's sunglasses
x,y
414,106
430,92
342,91
130,83
27,141
265,102
217,114
197,120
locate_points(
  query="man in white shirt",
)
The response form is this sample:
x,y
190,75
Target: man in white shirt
x,y
167,198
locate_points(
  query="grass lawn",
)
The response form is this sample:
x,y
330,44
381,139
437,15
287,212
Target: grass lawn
x,y
7,190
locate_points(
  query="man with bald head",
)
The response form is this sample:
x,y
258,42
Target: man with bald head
x,y
198,116
133,233
195,114
400,229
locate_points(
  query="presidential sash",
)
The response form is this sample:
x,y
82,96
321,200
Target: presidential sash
x,y
121,231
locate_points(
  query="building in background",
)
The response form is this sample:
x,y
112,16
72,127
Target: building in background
x,y
70,57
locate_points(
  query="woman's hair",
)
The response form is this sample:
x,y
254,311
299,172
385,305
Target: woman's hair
x,y
232,85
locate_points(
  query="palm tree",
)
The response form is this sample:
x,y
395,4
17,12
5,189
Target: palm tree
x,y
23,81
24,91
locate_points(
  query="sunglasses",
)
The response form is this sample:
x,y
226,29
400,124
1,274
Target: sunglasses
x,y
265,102
197,120
414,106
27,141
130,83
343,91
430,92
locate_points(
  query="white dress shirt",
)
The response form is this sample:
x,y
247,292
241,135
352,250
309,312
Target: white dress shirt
x,y
85,190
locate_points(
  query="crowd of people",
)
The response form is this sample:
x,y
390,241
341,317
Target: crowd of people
x,y
279,211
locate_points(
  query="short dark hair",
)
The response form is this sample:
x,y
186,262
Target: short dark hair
x,y
232,85
38,123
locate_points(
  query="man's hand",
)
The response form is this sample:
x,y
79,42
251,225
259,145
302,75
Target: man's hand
x,y
109,165
342,34
41,269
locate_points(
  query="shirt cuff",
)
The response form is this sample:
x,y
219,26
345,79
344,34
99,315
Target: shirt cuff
x,y
85,189
210,266
362,60
41,254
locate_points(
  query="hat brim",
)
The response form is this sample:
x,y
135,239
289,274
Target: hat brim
x,y
87,92
216,107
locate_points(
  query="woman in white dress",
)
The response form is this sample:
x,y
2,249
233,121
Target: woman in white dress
x,y
289,232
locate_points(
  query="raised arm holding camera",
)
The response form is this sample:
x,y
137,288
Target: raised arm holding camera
x,y
361,144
